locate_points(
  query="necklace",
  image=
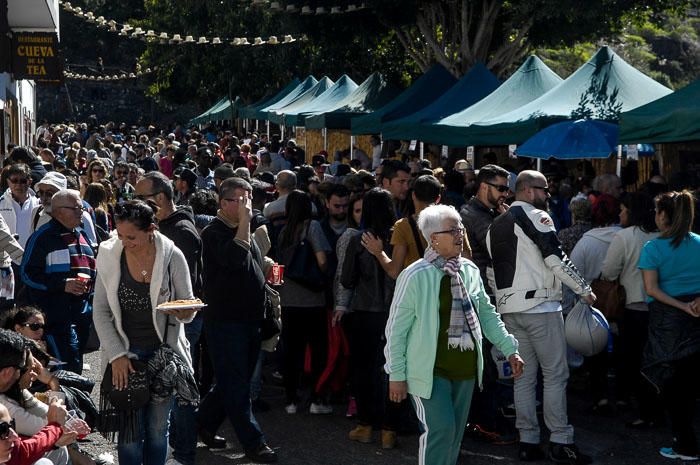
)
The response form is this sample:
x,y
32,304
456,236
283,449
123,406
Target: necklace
x,y
144,269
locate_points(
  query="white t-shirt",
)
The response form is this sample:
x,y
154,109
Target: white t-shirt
x,y
23,213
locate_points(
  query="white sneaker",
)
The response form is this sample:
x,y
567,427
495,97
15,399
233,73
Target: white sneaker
x,y
291,409
320,409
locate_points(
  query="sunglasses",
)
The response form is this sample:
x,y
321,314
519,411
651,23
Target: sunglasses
x,y
498,187
6,427
98,170
542,188
34,326
19,180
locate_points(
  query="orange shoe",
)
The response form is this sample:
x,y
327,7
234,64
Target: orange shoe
x,y
388,439
361,433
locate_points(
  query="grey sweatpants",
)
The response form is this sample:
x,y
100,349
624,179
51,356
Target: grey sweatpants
x,y
542,344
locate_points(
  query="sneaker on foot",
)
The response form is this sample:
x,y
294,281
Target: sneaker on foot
x,y
352,408
320,409
529,452
291,409
669,453
567,453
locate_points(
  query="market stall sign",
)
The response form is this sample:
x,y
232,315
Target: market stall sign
x,y
35,56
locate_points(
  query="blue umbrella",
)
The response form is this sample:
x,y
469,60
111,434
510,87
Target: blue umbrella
x,y
572,140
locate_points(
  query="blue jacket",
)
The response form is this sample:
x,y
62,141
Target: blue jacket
x,y
414,322
53,254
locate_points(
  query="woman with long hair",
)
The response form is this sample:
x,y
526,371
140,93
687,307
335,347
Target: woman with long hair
x,y
96,170
367,314
137,270
671,277
96,196
304,315
637,219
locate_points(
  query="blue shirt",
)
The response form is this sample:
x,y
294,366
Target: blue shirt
x,y
678,269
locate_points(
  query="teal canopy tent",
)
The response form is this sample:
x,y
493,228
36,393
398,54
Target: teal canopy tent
x,y
673,118
295,93
205,117
475,85
277,116
324,102
431,85
251,111
371,95
601,89
529,82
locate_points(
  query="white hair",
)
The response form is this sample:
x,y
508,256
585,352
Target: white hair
x,y
430,220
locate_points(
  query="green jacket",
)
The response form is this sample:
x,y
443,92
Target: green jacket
x,y
414,322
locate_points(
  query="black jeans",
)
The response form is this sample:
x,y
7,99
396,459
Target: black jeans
x,y
302,326
679,395
370,382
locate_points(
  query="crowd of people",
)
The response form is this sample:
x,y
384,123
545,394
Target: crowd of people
x,y
450,286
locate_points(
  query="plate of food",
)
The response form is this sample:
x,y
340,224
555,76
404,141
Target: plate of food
x,y
183,304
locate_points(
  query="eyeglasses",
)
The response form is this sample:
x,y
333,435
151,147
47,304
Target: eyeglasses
x,y
75,209
45,193
454,231
34,326
146,196
6,429
18,180
498,187
542,188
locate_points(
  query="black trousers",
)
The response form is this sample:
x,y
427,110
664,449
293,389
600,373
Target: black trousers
x,y
302,326
370,382
679,395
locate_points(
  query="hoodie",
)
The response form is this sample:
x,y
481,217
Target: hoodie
x,y
589,252
180,228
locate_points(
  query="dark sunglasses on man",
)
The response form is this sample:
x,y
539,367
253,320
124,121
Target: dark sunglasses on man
x,y
5,429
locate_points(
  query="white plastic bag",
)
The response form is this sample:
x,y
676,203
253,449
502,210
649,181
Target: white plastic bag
x,y
587,330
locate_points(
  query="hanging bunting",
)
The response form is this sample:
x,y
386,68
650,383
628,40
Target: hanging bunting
x,y
164,38
123,76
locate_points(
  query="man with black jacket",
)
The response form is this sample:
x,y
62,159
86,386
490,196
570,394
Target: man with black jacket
x,y
232,321
177,223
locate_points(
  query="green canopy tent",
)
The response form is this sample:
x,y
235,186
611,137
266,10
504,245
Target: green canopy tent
x,y
371,95
277,116
475,85
600,89
298,91
529,82
205,117
251,111
673,118
431,85
324,102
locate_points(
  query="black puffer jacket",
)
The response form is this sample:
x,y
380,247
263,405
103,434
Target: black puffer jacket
x,y
372,288
179,227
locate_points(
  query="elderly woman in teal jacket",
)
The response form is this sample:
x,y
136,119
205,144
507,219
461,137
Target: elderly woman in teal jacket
x,y
438,316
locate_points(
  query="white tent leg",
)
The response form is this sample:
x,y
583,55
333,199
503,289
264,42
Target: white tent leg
x,y
422,150
539,165
618,170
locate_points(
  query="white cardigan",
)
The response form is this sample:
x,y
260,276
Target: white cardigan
x,y
170,271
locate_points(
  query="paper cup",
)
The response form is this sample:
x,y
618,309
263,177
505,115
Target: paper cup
x,y
277,274
83,277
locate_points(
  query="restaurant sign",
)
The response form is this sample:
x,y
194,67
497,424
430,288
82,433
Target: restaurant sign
x,y
35,56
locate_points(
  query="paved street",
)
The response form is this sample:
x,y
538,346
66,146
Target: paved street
x,y
305,439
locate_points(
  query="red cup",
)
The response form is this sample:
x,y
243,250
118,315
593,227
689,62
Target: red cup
x,y
83,278
277,274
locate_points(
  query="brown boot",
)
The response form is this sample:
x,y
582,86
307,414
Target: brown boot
x,y
388,439
361,433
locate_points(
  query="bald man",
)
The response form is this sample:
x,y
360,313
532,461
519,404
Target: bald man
x,y
529,268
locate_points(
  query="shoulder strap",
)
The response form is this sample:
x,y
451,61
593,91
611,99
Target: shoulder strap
x,y
416,235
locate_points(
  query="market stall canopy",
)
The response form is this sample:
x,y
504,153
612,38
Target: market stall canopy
x,y
568,140
431,85
325,102
251,111
205,117
673,118
601,89
373,93
277,116
475,85
532,80
227,111
295,93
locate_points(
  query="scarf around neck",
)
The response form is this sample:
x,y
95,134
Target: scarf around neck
x,y
464,326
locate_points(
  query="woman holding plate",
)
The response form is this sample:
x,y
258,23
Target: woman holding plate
x,y
136,271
